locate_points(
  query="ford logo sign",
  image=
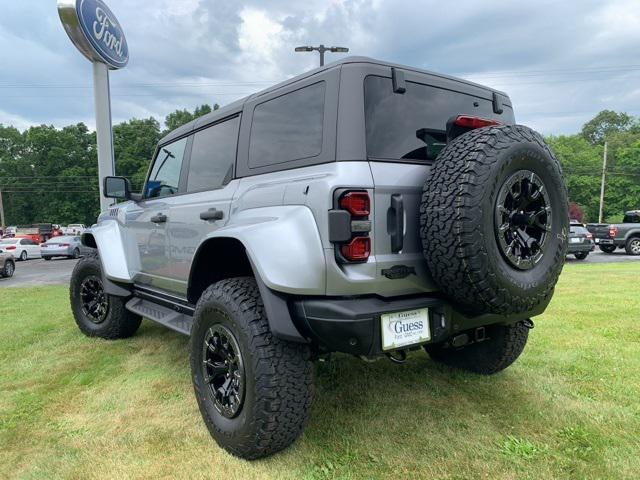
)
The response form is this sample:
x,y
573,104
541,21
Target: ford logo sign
x,y
95,30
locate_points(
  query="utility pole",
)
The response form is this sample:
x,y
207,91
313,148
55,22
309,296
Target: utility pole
x,y
604,169
2,225
322,49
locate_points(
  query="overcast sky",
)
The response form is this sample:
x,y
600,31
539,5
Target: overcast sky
x,y
560,61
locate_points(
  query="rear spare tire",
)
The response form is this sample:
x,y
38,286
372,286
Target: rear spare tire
x,y
493,220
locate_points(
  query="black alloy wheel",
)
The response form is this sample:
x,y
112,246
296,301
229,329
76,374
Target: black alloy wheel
x,y
94,301
223,370
523,217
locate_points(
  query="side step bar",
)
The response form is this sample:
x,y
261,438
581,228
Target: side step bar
x,y
180,322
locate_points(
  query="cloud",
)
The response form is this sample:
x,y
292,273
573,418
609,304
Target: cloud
x,y
561,62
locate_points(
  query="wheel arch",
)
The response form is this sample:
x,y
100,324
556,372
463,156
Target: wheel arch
x,y
231,259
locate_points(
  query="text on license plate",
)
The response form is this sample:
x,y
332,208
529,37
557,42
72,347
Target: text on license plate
x,y
574,240
405,328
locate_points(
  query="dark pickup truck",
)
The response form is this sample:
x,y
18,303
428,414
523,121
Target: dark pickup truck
x,y
625,235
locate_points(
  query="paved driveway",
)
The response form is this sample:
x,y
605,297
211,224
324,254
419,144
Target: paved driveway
x,y
40,272
600,257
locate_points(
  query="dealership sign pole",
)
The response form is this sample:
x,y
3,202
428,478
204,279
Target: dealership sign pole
x,y
95,31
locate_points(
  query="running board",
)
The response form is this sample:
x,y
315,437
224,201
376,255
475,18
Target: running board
x,y
177,321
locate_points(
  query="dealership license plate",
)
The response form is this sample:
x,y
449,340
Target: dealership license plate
x,y
574,240
401,329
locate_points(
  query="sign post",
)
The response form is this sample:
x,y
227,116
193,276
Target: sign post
x,y
96,32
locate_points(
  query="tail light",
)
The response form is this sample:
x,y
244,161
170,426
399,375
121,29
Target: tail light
x,y
349,226
590,236
613,231
11,247
357,204
63,244
467,121
358,250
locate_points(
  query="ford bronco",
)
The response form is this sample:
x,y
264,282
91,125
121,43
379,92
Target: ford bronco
x,y
361,207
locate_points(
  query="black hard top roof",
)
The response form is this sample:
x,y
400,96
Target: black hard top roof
x,y
235,106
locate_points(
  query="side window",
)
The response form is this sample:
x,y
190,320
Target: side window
x,y
164,178
288,128
213,156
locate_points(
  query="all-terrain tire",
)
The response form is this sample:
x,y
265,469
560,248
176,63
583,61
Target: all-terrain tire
x,y
117,321
502,346
278,375
632,246
458,220
607,248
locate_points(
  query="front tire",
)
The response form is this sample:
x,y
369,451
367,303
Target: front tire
x,y
258,402
502,346
97,313
632,246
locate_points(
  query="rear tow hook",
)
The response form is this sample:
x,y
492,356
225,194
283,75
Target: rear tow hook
x,y
399,356
528,323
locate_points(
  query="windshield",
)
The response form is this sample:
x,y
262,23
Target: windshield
x,y
412,126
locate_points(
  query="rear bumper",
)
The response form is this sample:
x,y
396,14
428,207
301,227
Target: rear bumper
x,y
352,325
577,248
56,252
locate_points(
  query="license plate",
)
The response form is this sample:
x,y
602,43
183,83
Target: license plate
x,y
401,329
574,240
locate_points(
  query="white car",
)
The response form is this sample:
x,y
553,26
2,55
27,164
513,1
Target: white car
x,y
74,229
20,248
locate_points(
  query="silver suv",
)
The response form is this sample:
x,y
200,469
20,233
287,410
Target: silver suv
x,y
362,207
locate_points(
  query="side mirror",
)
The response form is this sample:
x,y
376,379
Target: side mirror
x,y
117,187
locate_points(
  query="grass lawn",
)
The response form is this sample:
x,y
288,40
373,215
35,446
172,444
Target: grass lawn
x,y
74,407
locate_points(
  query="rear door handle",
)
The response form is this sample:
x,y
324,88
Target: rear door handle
x,y
212,214
159,218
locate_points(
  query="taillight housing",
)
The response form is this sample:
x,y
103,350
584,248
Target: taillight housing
x,y
358,250
349,225
64,244
590,236
11,247
613,231
469,121
357,204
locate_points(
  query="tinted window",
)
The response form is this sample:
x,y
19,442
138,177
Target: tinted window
x,y
213,155
631,218
412,125
288,127
165,175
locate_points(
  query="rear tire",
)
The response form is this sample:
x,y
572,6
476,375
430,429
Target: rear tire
x,y
24,256
76,254
47,258
97,313
265,408
502,347
607,248
632,246
581,255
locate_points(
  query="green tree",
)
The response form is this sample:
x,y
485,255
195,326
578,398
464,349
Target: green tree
x,y
180,117
606,123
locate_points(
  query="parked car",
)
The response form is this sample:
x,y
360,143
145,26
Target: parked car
x,y
7,265
580,241
74,229
362,207
65,246
610,237
23,248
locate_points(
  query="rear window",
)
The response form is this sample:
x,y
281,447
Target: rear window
x,y
631,218
288,127
578,230
411,126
